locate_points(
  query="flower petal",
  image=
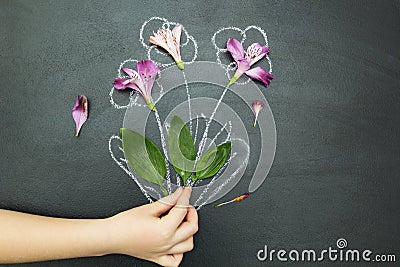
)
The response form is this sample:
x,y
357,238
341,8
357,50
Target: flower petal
x,y
176,32
243,66
120,83
258,105
160,41
131,73
235,48
255,52
147,68
80,112
136,81
148,71
260,74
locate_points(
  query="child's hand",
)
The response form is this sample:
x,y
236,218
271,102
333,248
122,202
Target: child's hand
x,y
144,233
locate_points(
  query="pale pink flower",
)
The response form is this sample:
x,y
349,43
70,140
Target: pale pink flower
x,y
170,41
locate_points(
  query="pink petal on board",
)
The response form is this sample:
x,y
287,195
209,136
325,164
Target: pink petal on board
x,y
80,112
257,106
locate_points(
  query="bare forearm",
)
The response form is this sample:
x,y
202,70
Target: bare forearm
x,y
27,238
144,232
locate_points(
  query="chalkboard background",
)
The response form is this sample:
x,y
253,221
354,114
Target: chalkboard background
x,y
335,100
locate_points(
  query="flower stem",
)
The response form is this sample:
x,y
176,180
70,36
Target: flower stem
x,y
180,65
151,105
255,120
233,80
164,191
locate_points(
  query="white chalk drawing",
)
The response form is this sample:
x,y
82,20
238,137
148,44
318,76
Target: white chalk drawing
x,y
233,169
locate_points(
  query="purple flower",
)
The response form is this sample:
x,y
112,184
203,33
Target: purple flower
x,y
254,53
141,81
80,112
257,106
170,41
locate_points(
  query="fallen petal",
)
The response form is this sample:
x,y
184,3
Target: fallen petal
x,y
80,112
238,199
257,106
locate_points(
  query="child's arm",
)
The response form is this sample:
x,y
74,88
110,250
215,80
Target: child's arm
x,y
138,232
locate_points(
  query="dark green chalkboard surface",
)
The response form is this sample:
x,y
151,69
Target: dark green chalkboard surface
x,y
335,100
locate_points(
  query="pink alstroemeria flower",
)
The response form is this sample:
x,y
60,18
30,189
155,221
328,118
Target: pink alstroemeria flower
x,y
141,81
170,41
80,112
254,53
257,106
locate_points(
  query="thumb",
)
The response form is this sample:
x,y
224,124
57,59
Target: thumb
x,y
166,203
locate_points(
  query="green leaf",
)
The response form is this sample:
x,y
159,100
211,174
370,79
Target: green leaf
x,y
181,149
212,161
143,156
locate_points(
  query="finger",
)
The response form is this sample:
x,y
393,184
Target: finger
x,y
166,203
189,227
171,260
178,212
183,247
191,215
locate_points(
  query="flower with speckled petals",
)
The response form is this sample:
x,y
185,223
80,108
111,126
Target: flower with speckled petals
x,y
170,41
254,53
141,81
